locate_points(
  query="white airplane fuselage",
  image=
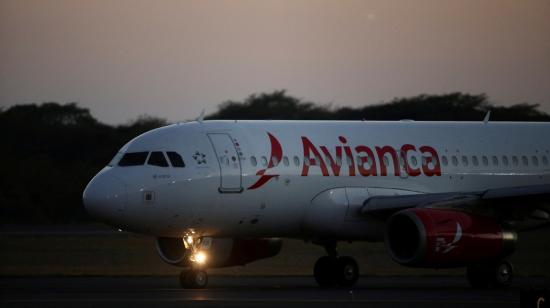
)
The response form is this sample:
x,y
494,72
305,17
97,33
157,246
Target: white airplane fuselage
x,y
307,179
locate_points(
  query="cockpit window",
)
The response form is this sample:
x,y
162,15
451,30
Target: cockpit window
x,y
133,159
115,159
157,159
175,159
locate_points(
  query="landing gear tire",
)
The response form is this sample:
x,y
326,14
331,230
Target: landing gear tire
x,y
498,274
347,272
503,274
193,279
331,271
324,271
477,276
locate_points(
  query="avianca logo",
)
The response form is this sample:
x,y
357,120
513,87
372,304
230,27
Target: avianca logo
x,y
361,160
443,247
274,160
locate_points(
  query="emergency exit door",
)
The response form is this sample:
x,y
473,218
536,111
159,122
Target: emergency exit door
x,y
229,162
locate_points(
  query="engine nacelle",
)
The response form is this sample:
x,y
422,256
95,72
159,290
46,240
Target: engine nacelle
x,y
172,251
445,238
221,252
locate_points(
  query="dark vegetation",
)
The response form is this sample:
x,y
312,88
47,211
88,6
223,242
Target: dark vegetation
x,y
449,107
50,151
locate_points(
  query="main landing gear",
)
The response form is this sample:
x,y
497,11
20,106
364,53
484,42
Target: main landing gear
x,y
485,275
333,270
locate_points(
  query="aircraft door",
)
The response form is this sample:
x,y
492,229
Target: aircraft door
x,y
229,162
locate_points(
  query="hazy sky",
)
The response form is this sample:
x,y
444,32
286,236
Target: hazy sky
x,y
170,59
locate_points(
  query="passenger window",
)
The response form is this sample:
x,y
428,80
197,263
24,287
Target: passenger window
x,y
475,161
400,159
253,161
485,160
175,159
524,160
465,160
367,162
443,160
157,159
455,161
545,160
275,161
535,160
515,160
505,160
264,161
414,161
285,161
315,161
133,159
296,161
495,160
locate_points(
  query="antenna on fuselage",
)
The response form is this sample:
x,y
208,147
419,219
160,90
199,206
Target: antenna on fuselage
x,y
487,116
201,116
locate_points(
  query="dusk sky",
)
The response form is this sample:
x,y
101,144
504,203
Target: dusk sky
x,y
171,59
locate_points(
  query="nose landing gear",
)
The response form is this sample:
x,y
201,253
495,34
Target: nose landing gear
x,y
194,277
333,270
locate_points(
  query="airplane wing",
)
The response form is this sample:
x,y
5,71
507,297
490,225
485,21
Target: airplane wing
x,y
377,204
533,200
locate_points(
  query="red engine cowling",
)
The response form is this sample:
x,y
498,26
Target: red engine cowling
x,y
445,238
222,252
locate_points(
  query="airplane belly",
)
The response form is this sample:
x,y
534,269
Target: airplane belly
x,y
326,213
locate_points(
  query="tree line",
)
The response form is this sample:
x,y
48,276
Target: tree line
x,y
50,151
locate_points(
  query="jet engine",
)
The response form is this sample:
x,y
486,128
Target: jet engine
x,y
173,251
439,238
217,252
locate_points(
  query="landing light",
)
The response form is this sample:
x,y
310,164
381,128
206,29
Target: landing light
x,y
199,257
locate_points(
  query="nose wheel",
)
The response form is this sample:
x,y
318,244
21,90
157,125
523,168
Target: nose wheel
x,y
332,271
193,279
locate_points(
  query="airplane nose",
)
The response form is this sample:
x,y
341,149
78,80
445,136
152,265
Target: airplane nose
x,y
105,197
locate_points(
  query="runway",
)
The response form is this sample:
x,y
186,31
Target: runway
x,y
255,291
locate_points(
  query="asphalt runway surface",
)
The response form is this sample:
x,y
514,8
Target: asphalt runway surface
x,y
255,292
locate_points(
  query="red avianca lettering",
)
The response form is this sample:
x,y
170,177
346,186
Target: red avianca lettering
x,y
360,160
368,162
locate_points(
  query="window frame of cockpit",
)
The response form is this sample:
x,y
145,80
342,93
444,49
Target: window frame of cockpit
x,y
170,159
133,165
115,161
166,161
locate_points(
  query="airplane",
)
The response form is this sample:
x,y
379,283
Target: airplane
x,y
225,193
